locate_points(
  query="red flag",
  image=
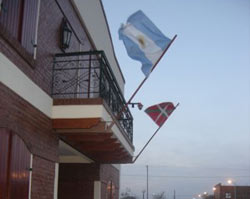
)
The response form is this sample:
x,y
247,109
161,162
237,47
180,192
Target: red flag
x,y
160,112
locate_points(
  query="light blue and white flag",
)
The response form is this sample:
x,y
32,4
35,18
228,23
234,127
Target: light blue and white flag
x,y
143,40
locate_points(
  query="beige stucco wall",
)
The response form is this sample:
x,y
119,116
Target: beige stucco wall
x,y
93,17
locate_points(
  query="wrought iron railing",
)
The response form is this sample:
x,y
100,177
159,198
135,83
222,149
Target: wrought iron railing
x,y
89,75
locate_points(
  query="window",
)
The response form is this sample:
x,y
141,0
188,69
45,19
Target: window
x,y
18,18
110,190
228,195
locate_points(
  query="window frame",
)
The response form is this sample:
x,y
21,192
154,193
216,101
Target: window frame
x,y
27,53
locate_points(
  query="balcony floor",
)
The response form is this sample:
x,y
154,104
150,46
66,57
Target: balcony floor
x,y
91,136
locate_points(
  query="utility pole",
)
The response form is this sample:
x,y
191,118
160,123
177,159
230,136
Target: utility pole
x,y
147,180
174,193
143,192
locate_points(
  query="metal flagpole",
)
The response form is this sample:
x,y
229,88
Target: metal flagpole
x,y
143,81
152,136
139,87
147,144
147,181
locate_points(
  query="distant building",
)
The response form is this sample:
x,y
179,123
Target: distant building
x,y
231,192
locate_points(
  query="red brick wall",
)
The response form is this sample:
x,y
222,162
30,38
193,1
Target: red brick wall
x,y
43,174
35,129
48,44
242,192
109,173
17,114
30,124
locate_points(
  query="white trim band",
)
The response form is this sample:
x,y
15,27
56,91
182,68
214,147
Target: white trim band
x,y
16,80
30,176
97,189
56,180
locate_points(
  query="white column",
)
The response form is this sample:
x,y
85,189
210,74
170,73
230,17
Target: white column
x,y
56,180
36,30
97,189
30,177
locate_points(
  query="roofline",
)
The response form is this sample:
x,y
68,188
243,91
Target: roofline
x,y
84,26
111,40
90,38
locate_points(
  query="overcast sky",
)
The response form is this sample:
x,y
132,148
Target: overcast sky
x,y
207,70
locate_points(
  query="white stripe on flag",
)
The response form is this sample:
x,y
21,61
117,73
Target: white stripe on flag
x,y
163,112
150,49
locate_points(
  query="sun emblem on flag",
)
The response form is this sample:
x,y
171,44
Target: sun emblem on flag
x,y
141,41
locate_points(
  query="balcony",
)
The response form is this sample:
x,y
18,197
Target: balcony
x,y
87,99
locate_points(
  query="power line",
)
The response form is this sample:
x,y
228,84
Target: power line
x,y
194,167
198,177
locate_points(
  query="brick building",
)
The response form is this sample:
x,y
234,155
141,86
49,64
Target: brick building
x,y
61,88
231,192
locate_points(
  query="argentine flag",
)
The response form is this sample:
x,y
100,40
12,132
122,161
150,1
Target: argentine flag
x,y
143,40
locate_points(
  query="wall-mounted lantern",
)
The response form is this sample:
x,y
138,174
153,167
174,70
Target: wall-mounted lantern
x,y
66,35
139,105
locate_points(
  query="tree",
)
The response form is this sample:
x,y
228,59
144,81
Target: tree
x,y
159,196
127,194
